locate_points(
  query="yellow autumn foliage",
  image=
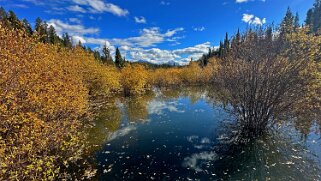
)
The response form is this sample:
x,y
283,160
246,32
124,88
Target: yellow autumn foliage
x,y
134,79
191,74
44,93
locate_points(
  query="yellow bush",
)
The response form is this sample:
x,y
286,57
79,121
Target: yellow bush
x,y
42,97
166,77
134,79
98,78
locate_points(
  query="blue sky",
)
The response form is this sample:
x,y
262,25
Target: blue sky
x,y
155,30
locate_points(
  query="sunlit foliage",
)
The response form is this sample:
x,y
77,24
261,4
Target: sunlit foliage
x,y
41,97
44,93
134,79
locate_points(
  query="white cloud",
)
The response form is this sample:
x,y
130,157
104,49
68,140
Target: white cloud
x,y
158,107
199,160
80,6
99,6
244,1
76,8
197,49
122,132
202,28
75,20
74,30
140,20
149,37
77,39
253,20
35,2
179,56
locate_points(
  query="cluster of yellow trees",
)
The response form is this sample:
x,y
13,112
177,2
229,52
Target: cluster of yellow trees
x,y
44,99
192,74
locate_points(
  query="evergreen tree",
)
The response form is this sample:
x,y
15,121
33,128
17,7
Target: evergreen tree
x,y
269,34
97,55
220,50
226,42
53,38
317,17
3,14
236,40
14,21
287,24
297,21
80,45
4,17
44,33
42,30
27,27
118,59
107,59
226,45
38,25
309,19
66,40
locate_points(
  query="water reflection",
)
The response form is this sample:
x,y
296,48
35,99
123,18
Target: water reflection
x,y
181,135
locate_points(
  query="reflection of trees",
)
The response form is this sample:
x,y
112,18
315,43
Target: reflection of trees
x,y
269,158
107,120
137,107
194,93
303,124
171,93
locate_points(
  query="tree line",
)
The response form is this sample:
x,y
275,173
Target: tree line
x,y
290,23
47,34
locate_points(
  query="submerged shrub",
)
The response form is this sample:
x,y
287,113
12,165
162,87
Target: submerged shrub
x,y
263,78
134,79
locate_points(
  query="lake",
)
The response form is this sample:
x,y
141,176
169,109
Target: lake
x,y
181,135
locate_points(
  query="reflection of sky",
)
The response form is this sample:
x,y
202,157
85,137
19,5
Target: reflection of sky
x,y
158,107
197,160
122,132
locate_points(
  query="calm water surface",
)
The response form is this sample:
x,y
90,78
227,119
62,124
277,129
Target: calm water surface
x,y
180,135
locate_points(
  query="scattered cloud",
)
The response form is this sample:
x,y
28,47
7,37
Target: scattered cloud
x,y
23,6
202,28
73,30
149,37
81,6
158,107
242,1
122,132
198,161
140,20
35,2
245,1
77,39
253,20
165,3
75,20
76,8
99,6
159,56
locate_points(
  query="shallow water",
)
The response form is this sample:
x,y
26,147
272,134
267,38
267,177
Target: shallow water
x,y
177,135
